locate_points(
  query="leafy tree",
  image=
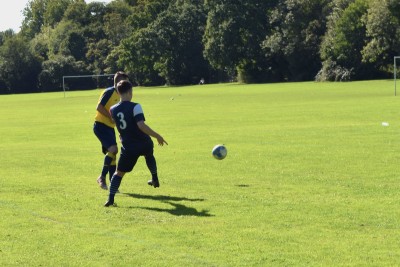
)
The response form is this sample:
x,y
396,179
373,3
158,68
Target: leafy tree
x,y
394,7
170,47
33,17
129,2
383,34
18,66
5,35
97,55
344,41
120,7
146,11
233,37
113,60
50,78
138,55
3,88
138,52
105,35
54,11
97,11
179,41
292,47
39,45
116,28
67,39
39,13
78,13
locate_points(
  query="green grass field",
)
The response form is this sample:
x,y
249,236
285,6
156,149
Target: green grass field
x,y
311,179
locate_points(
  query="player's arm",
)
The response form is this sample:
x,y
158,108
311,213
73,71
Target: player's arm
x,y
101,106
104,111
147,130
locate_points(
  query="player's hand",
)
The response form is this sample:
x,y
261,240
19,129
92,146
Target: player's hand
x,y
161,141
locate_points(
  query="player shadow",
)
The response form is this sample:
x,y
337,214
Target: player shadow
x,y
177,210
163,198
180,210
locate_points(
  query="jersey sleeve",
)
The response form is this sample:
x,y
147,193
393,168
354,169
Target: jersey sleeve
x,y
138,113
105,97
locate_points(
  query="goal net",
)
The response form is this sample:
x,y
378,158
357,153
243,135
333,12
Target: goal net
x,y
99,80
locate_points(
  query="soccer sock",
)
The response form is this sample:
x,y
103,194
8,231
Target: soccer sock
x,y
107,161
112,168
115,183
152,165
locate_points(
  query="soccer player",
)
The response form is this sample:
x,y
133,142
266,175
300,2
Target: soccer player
x,y
135,137
104,129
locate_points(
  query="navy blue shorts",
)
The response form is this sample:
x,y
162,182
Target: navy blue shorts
x,y
106,135
128,158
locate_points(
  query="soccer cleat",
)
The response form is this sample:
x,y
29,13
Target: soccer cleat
x,y
153,182
110,203
102,182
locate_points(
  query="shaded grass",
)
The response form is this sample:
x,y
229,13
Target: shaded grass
x,y
311,178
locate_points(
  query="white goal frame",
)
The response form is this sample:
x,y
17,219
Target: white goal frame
x,y
395,73
85,76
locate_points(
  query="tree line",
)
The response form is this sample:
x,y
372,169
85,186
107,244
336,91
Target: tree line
x,y
179,42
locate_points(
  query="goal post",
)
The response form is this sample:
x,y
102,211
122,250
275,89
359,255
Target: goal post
x,y
83,76
395,73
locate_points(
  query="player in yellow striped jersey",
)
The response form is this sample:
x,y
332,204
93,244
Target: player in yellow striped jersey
x,y
104,129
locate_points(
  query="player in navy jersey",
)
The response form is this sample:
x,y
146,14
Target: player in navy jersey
x,y
104,129
135,138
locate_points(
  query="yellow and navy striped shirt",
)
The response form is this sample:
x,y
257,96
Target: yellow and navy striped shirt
x,y
108,98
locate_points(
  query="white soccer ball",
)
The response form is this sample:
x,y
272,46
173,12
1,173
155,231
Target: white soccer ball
x,y
219,152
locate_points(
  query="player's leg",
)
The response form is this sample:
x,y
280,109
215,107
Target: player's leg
x,y
151,165
106,135
98,130
112,151
109,157
115,183
126,163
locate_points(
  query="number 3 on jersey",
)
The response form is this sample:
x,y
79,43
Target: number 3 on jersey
x,y
122,121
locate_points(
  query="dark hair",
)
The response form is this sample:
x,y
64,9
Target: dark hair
x,y
119,76
124,86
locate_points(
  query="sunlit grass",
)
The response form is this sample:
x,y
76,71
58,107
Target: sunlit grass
x,y
311,179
